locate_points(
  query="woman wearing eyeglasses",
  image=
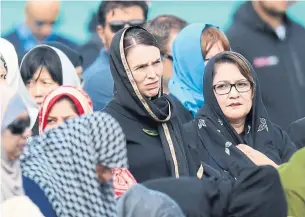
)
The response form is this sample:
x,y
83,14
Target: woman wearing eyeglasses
x,y
233,125
15,128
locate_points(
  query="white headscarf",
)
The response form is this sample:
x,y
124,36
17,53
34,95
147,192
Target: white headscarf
x,y
14,80
70,77
11,180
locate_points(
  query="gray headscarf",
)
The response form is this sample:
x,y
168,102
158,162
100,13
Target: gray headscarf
x,y
11,180
140,201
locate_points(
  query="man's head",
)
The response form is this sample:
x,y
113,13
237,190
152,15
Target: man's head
x,y
165,28
115,15
41,16
274,8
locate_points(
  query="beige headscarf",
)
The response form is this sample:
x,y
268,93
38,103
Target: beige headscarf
x,y
11,106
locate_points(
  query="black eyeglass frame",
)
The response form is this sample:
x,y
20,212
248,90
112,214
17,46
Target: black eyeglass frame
x,y
233,85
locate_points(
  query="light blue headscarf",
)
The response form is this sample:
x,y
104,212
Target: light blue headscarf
x,y
186,83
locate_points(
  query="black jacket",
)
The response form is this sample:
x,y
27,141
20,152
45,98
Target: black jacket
x,y
280,64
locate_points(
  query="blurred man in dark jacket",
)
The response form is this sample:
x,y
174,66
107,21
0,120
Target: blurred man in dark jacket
x,y
274,44
40,18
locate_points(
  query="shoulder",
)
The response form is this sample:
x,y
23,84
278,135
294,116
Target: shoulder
x,y
66,41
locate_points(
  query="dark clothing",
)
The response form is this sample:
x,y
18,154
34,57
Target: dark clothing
x,y
90,50
216,139
296,132
183,114
20,50
155,142
37,196
256,192
75,57
279,63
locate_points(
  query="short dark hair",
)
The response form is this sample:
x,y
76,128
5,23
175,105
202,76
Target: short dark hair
x,y
41,56
137,35
162,26
107,6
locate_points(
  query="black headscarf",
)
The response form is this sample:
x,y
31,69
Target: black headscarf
x,y
159,110
75,57
220,138
257,193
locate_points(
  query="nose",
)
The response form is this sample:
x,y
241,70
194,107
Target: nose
x,y
234,93
46,30
151,72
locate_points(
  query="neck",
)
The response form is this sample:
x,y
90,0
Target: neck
x,y
238,126
274,21
165,90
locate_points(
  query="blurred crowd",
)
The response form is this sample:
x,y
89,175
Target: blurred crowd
x,y
155,117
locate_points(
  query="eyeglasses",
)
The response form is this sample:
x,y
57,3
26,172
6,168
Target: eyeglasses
x,y
167,56
226,87
18,127
116,26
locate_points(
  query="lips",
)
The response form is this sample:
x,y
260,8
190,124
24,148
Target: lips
x,y
153,85
235,104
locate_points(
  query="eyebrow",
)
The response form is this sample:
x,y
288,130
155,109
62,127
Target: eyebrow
x,y
146,64
226,81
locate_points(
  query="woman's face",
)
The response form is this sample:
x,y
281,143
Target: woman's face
x,y
14,137
146,67
41,84
235,105
61,111
213,51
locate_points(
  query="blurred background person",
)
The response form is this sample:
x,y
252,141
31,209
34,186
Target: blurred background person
x,y
15,128
165,28
37,28
14,80
91,49
112,16
274,44
192,49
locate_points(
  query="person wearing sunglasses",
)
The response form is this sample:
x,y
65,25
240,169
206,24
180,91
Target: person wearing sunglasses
x,y
15,128
112,16
40,19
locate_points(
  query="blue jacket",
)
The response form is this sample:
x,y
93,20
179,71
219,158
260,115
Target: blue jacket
x,y
98,81
38,197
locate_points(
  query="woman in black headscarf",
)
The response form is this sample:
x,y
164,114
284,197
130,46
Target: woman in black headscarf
x,y
233,125
154,134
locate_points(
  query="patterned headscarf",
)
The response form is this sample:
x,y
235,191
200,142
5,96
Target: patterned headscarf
x,y
63,163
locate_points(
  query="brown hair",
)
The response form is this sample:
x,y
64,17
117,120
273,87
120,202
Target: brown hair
x,y
212,35
236,59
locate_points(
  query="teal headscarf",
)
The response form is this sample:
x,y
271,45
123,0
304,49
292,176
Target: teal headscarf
x,y
186,83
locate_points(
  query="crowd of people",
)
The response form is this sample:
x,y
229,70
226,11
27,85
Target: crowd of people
x,y
155,117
